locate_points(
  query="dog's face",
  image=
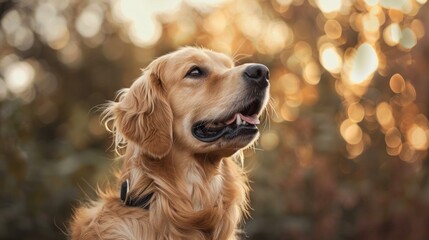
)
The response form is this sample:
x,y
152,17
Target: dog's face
x,y
215,105
199,98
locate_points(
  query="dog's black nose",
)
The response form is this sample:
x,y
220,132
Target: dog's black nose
x,y
257,74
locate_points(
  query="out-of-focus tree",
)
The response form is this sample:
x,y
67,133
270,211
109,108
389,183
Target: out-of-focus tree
x,y
344,155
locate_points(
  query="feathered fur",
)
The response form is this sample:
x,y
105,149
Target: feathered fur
x,y
200,192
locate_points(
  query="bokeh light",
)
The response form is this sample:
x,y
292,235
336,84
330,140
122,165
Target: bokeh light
x,y
88,23
330,58
329,6
19,77
351,132
418,138
408,38
392,34
364,64
397,83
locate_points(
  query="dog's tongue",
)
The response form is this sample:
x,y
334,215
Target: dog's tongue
x,y
249,119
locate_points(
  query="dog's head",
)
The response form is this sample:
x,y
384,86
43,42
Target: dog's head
x,y
192,99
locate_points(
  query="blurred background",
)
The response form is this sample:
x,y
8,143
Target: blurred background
x,y
343,155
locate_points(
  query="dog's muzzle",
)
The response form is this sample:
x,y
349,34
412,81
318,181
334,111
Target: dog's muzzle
x,y
245,118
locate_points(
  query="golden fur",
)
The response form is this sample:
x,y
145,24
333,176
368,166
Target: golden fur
x,y
200,192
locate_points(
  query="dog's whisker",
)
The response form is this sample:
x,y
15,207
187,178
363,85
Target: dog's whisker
x,y
239,57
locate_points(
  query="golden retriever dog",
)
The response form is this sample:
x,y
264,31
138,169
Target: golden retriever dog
x,y
179,129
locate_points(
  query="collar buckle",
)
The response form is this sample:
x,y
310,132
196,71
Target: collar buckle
x,y
125,188
142,202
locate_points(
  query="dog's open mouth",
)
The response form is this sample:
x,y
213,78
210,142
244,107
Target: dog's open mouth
x,y
241,122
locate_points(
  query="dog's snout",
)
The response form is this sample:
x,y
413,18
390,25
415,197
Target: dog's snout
x,y
257,74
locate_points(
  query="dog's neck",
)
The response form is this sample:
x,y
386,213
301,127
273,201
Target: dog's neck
x,y
202,195
197,176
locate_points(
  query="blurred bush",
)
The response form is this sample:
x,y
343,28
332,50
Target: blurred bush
x,y
343,154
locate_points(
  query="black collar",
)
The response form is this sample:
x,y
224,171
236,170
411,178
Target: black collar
x,y
142,202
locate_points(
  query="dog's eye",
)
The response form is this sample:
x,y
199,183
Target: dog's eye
x,y
195,72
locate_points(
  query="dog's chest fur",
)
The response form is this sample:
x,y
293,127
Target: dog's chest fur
x,y
202,194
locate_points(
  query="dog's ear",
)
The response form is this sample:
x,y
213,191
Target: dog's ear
x,y
142,114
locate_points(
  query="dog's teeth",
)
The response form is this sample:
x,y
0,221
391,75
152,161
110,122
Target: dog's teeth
x,y
238,121
244,122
